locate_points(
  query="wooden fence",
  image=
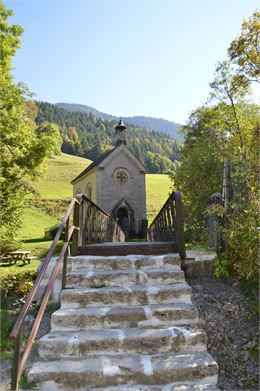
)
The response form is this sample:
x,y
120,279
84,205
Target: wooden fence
x,y
168,224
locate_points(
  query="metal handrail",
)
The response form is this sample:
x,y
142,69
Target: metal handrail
x,y
72,232
168,224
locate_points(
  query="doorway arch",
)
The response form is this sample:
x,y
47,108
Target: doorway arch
x,y
124,215
123,220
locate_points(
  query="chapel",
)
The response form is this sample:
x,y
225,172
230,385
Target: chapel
x,y
115,181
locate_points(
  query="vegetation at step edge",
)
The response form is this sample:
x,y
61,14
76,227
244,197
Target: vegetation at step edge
x,y
226,126
23,145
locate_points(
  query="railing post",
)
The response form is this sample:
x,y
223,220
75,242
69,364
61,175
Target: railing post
x,y
76,223
179,225
16,361
65,260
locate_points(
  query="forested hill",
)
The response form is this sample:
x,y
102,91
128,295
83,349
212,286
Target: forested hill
x,y
151,123
85,135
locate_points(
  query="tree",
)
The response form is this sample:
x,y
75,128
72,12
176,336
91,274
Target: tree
x,y
226,127
244,51
23,146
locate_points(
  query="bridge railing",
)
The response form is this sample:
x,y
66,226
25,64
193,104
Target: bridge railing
x,y
168,224
90,225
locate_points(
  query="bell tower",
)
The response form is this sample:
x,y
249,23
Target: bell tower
x,y
120,133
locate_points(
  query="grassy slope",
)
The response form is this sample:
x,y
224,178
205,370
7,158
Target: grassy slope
x,y
55,184
60,170
158,187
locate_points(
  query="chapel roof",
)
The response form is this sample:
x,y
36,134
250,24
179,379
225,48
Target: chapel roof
x,y
94,164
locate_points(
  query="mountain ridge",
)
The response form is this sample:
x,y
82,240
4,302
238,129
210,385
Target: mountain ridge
x,y
150,123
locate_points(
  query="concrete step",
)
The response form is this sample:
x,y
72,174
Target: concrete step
x,y
98,263
161,315
131,369
115,341
139,294
124,277
207,384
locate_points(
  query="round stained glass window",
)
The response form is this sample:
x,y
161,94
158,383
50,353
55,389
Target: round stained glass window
x,y
122,177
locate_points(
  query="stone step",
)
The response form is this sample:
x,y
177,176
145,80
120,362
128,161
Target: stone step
x,y
98,263
161,315
115,341
124,277
139,294
207,384
126,248
131,369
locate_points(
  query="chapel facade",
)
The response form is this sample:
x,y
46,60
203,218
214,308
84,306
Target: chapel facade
x,y
115,181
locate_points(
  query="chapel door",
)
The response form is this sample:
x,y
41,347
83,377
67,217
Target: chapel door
x,y
124,220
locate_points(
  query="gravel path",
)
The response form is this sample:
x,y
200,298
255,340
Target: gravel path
x,y
231,326
232,329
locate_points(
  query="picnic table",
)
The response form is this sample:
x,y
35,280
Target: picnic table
x,y
15,256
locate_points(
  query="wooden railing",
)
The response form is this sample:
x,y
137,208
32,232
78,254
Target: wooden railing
x,y
168,224
90,224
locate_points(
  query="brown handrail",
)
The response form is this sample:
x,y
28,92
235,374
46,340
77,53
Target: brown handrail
x,y
39,278
168,224
75,233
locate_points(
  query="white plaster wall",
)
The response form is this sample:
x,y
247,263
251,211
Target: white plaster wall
x,y
83,183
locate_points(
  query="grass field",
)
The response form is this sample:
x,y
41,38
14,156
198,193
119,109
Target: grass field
x,y
55,185
60,170
158,187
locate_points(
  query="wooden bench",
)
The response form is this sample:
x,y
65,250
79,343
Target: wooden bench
x,y
29,259
7,259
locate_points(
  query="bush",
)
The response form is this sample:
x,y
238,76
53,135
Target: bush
x,y
242,236
6,345
7,241
18,282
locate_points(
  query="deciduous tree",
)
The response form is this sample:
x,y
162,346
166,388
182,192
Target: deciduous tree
x,y
23,146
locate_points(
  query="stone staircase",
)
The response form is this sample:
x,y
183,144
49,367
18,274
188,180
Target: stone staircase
x,y
126,323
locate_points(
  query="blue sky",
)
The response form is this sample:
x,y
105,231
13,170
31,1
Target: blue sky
x,y
153,58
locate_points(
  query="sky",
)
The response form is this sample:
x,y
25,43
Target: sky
x,y
152,58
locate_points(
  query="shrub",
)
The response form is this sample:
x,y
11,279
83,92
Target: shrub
x,y
242,236
17,282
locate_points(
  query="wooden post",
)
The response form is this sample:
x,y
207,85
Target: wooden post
x,y
16,362
76,223
226,184
169,224
179,225
64,267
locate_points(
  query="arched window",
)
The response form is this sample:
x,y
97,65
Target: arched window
x,y
79,191
89,191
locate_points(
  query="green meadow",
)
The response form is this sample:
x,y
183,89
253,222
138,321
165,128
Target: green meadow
x,y
55,180
46,206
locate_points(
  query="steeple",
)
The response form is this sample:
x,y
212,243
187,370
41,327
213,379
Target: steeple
x,y
120,133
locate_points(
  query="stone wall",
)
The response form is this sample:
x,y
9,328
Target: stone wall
x,y
110,191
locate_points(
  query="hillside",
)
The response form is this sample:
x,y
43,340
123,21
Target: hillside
x,y
53,191
150,123
59,171
47,206
87,136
